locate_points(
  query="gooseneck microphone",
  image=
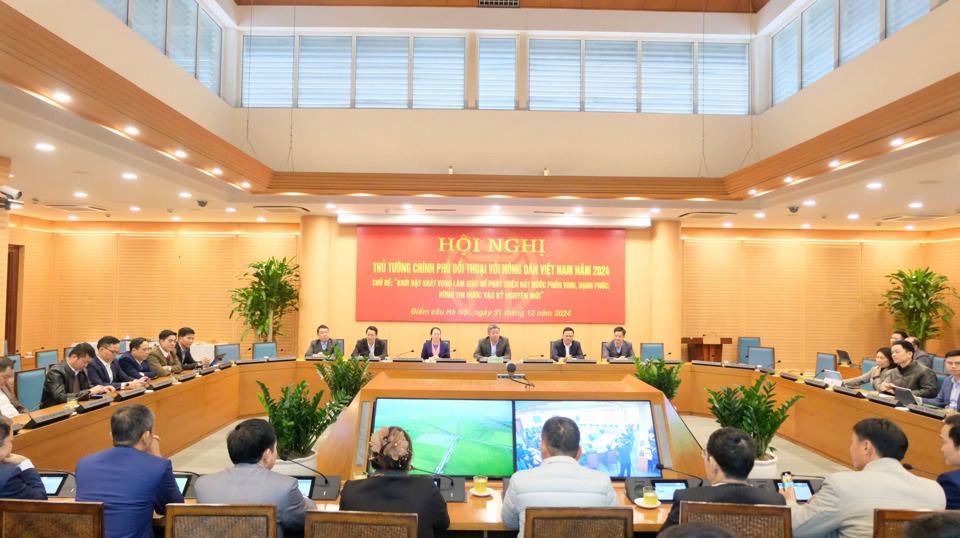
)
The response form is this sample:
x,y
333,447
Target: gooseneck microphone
x,y
910,467
325,481
435,475
662,467
331,485
404,353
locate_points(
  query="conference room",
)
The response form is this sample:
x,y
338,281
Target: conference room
x,y
676,224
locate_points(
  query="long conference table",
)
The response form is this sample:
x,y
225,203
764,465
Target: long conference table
x,y
185,413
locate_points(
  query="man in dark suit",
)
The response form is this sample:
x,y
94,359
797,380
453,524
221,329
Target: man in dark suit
x,y
67,380
566,348
949,395
728,460
18,478
371,346
105,371
134,363
185,338
950,446
129,503
493,345
10,406
618,347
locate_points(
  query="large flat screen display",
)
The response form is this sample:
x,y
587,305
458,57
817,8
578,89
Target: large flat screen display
x,y
618,438
453,437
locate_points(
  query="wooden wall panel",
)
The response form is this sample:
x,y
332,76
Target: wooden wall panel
x,y
881,259
773,298
87,272
39,289
251,248
147,300
205,276
832,315
713,289
944,258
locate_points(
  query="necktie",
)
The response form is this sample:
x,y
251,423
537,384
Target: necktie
x,y
75,387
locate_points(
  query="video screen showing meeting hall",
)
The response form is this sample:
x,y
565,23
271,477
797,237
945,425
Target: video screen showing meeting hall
x,y
729,182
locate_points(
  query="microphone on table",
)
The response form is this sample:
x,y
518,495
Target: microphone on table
x,y
435,475
325,481
662,467
540,356
515,377
455,492
910,467
331,485
404,353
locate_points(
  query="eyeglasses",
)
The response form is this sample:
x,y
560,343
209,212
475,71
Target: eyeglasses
x,y
112,351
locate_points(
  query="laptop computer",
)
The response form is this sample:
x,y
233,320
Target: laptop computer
x,y
904,396
832,378
843,358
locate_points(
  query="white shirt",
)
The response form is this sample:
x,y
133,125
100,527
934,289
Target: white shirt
x,y
107,366
6,407
954,395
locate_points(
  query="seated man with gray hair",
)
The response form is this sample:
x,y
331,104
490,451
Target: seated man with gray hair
x,y
559,480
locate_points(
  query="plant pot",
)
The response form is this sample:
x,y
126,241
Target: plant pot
x,y
765,468
292,469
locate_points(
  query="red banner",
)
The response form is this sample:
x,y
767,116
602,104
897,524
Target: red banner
x,y
532,275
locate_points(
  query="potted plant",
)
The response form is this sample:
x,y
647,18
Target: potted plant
x,y
753,409
344,376
917,301
298,419
659,375
272,291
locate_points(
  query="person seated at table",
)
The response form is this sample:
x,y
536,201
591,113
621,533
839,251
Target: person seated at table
x,y
910,374
323,345
435,348
18,478
618,347
163,359
566,347
185,338
67,380
897,336
10,406
104,370
950,446
559,480
728,460
371,346
920,355
877,375
950,391
392,489
493,345
252,446
132,479
134,363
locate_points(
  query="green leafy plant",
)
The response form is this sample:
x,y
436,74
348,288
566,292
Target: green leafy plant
x,y
272,290
659,375
917,301
344,376
753,410
298,419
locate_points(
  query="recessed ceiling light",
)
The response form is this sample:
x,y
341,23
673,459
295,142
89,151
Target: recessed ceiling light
x,y
407,206
751,192
261,219
245,184
916,205
129,175
80,194
760,214
131,130
728,225
788,179
180,154
896,142
578,210
910,227
62,97
853,216
16,206
185,194
809,203
495,208
43,146
331,206
134,208
217,171
231,210
804,225
874,185
175,217
654,210
834,163
73,217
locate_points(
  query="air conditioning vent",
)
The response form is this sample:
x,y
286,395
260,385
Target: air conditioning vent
x,y
707,215
73,208
549,213
912,218
439,210
498,3
282,209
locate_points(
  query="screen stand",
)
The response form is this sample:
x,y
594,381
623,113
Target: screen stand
x,y
453,488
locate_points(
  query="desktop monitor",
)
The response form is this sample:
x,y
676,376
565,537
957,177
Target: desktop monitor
x,y
618,438
230,352
265,350
453,437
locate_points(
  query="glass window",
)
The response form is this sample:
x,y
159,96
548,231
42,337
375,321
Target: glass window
x,y
724,78
610,76
817,38
117,7
555,74
786,61
183,34
859,27
383,66
326,65
438,72
150,21
267,71
666,77
498,74
211,44
901,13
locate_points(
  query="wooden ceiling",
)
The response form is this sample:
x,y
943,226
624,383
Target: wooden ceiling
x,y
696,6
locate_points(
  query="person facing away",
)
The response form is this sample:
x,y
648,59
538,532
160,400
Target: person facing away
x,y
134,363
132,479
566,347
559,480
910,374
950,446
18,478
392,489
876,376
845,503
67,380
728,459
618,347
949,395
252,446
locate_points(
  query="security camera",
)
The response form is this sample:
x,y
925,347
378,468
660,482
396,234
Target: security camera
x,y
10,192
202,203
794,208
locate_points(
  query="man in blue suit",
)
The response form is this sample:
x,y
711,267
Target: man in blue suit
x,y
950,391
134,363
129,503
104,369
566,348
18,478
950,446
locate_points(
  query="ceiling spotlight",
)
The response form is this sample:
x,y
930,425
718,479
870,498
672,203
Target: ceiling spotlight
x,y
875,185
788,179
16,206
131,130
43,146
809,203
853,216
73,217
134,208
760,214
896,142
185,194
62,97
728,225
331,206
245,184
217,171
916,205
578,210
910,227
180,154
231,210
175,218
261,219
80,194
804,225
655,210
834,163
129,175
407,206
752,192
495,208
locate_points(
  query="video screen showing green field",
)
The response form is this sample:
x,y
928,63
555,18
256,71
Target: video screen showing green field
x,y
453,437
